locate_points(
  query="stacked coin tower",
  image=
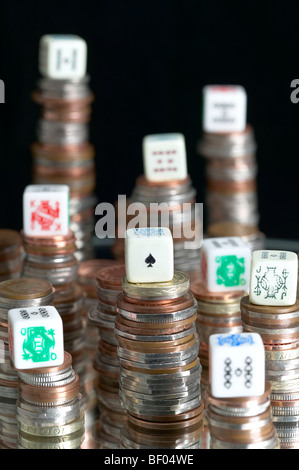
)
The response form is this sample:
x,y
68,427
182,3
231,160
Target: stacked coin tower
x,y
11,254
62,153
229,148
50,253
48,408
225,280
15,293
239,409
157,347
165,191
49,413
112,415
271,309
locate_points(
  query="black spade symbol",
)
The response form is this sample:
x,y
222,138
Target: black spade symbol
x,y
150,260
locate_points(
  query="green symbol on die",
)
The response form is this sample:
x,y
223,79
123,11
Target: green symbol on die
x,y
230,270
38,343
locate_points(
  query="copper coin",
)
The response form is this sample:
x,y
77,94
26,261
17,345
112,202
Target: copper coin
x,y
153,303
70,297
47,394
111,277
248,306
67,362
154,306
64,153
159,345
242,402
200,292
231,229
25,288
88,269
148,349
142,181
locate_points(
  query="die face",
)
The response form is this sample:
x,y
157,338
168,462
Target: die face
x,y
164,157
236,365
224,108
149,255
62,56
35,337
46,210
273,278
225,264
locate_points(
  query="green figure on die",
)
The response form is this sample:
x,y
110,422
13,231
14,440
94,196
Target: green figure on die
x,y
230,270
38,343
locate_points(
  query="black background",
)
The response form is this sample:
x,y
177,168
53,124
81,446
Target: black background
x,y
148,62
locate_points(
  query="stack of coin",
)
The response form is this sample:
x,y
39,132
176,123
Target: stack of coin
x,y
11,254
54,258
279,329
87,278
62,153
178,211
15,293
49,413
112,415
217,312
231,172
159,365
249,233
242,422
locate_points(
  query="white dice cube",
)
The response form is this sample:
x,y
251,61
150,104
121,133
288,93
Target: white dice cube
x,y
273,278
164,157
224,108
62,56
149,255
236,365
225,264
46,209
35,337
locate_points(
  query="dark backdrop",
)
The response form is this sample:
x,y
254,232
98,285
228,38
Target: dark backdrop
x,y
148,62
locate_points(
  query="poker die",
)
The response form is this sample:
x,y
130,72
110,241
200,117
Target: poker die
x,y
46,210
62,56
236,365
164,157
224,108
35,337
273,278
149,255
225,264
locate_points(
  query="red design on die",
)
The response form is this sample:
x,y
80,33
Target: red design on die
x,y
45,215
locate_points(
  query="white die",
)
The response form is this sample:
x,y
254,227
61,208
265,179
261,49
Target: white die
x,y
149,255
273,278
46,209
164,157
224,108
62,56
225,264
35,337
236,365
